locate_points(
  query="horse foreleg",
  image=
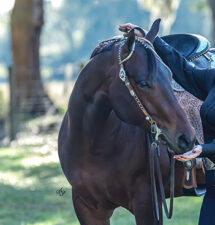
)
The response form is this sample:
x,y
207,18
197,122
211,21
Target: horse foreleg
x,y
90,216
143,209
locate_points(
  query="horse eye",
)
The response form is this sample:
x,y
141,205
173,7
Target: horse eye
x,y
143,84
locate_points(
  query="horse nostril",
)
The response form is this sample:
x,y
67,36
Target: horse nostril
x,y
184,142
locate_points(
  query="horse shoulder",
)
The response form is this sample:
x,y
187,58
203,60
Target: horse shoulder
x,y
96,113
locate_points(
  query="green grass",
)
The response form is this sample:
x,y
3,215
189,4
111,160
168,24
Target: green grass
x,y
28,184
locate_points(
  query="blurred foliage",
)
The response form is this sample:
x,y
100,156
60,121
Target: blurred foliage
x,y
166,9
159,5
3,106
73,29
5,55
200,6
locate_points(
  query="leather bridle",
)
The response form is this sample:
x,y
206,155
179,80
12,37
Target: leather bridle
x,y
152,140
122,75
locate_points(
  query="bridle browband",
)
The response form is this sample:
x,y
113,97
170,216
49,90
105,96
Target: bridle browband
x,y
153,145
122,75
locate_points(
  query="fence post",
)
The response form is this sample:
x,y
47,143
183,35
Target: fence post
x,y
12,107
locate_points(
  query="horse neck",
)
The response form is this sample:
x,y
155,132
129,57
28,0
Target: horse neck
x,y
89,110
89,104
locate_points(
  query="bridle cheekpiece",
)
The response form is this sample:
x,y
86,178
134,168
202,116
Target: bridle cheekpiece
x,y
152,140
122,75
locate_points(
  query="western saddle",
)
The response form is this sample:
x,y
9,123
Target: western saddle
x,y
191,46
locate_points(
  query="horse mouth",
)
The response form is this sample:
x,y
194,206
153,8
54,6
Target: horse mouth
x,y
173,147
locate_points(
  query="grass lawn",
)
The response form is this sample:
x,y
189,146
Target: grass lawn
x,y
29,177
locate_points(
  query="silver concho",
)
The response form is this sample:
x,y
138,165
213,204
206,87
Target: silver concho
x,y
132,92
122,74
176,86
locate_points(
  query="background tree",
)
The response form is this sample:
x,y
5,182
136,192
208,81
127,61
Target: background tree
x,y
212,7
166,9
80,28
26,25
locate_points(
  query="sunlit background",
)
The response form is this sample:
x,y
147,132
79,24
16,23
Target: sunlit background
x,y
79,25
30,172
6,6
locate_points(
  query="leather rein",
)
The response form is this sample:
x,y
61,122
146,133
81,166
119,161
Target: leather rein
x,y
153,144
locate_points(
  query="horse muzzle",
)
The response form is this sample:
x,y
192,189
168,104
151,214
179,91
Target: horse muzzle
x,y
180,143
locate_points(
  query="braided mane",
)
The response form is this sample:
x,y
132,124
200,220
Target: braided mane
x,y
106,45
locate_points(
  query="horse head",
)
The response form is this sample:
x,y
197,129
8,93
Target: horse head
x,y
150,80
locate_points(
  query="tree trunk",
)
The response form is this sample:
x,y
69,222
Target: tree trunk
x,y
212,6
26,25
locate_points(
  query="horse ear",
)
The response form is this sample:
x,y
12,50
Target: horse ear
x,y
151,35
127,47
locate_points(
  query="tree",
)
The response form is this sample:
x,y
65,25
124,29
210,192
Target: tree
x,y
212,6
79,28
166,9
26,25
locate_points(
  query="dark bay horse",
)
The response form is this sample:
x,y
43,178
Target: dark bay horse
x,y
102,141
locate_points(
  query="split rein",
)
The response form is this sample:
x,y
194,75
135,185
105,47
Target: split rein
x,y
153,144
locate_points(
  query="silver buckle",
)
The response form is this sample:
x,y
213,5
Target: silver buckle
x,y
155,130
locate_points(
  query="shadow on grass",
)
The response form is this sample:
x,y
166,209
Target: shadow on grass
x,y
26,206
12,163
44,171
39,203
